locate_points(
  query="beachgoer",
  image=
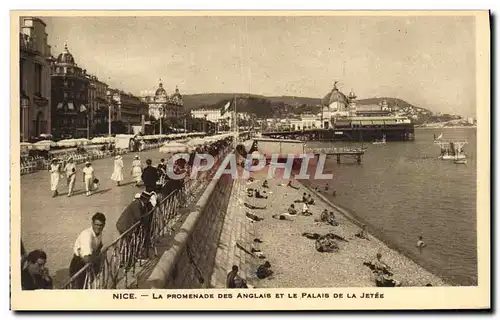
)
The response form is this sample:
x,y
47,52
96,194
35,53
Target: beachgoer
x,y
420,244
362,234
234,281
292,210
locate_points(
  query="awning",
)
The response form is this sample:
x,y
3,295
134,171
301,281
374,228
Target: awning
x,y
83,108
71,106
59,105
378,122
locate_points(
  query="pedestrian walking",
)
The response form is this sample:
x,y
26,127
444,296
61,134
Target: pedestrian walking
x,y
86,249
70,170
137,170
55,174
88,178
118,170
150,176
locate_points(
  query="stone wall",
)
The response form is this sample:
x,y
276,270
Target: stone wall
x,y
189,262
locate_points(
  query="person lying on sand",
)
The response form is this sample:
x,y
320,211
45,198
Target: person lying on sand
x,y
283,216
326,244
264,184
362,234
305,210
310,199
249,206
253,217
290,185
258,195
264,270
291,210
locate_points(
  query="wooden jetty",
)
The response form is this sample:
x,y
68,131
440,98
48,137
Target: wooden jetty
x,y
348,152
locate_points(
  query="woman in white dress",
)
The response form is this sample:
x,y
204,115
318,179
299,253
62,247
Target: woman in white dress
x,y
118,171
88,177
137,170
55,174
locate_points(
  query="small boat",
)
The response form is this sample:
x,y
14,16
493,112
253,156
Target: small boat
x,y
380,141
460,161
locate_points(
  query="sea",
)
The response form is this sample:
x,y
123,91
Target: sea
x,y
401,190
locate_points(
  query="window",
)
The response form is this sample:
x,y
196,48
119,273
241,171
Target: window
x,y
38,79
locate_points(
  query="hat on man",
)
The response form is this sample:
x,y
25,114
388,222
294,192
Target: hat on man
x,y
118,157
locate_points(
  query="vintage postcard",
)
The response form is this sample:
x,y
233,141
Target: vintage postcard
x,y
241,160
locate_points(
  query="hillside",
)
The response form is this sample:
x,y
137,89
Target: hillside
x,y
276,106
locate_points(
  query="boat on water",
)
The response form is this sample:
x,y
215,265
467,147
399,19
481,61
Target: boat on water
x,y
382,141
451,149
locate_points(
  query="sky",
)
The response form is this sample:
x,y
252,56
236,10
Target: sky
x,y
426,61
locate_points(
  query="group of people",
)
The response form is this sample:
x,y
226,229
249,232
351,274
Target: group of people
x,y
58,168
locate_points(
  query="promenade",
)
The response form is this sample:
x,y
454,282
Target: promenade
x,y
293,257
52,224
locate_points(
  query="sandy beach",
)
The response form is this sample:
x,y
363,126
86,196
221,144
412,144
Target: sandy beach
x,y
293,257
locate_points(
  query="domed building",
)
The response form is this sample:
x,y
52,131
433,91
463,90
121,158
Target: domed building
x,y
70,90
161,105
336,104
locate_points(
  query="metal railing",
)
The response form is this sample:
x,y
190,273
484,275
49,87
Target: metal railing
x,y
118,264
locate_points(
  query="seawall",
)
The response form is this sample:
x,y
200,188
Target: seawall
x,y
189,262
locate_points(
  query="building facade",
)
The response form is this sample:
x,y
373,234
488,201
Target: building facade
x,y
70,97
100,108
129,109
163,106
35,81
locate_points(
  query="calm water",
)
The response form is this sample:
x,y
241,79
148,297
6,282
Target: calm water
x,y
402,191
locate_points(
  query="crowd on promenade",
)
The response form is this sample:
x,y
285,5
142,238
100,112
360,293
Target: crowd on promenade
x,y
88,247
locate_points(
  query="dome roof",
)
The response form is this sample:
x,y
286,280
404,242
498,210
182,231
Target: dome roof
x,y
66,56
177,94
161,91
334,96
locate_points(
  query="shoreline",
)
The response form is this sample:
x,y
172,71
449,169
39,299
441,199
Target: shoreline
x,y
379,235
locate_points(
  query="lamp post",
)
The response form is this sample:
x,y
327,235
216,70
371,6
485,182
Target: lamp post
x,y
109,97
160,109
25,103
205,124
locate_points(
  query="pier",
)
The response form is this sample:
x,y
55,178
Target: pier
x,y
347,152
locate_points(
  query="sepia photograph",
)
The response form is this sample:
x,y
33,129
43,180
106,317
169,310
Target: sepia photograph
x,y
250,160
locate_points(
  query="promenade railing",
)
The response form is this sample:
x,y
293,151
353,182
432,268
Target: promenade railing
x,y
117,265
